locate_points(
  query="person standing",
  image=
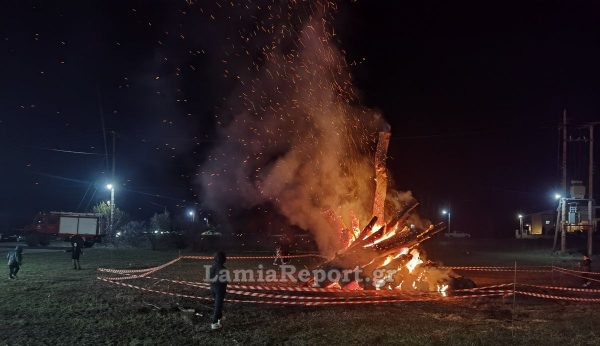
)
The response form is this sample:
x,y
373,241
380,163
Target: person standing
x,y
76,251
218,288
586,266
15,260
278,255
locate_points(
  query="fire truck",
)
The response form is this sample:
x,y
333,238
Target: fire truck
x,y
64,225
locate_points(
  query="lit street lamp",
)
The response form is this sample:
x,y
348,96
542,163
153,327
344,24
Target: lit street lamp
x,y
447,212
192,215
112,207
520,216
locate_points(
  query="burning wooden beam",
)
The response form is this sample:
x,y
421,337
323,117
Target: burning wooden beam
x,y
381,176
402,215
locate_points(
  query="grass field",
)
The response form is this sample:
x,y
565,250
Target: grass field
x,y
51,304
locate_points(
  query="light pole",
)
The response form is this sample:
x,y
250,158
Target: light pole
x,y
112,207
520,216
447,212
192,215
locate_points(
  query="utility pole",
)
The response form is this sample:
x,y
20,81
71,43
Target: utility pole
x,y
113,185
564,155
113,154
591,191
560,211
563,234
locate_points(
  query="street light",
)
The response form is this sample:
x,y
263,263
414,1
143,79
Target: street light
x,y
112,207
447,212
557,196
520,216
192,215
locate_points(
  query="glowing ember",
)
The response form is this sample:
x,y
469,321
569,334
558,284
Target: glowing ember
x,y
443,289
414,261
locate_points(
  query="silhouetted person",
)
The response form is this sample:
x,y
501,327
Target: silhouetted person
x,y
218,287
76,250
278,254
15,259
586,266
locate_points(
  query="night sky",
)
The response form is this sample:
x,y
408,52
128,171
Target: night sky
x,y
473,92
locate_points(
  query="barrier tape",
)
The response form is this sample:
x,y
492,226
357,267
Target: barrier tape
x,y
154,269
129,271
555,297
254,257
359,294
576,275
562,288
365,294
502,269
305,303
576,271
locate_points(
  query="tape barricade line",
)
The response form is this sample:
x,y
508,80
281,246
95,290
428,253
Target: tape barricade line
x,y
562,288
575,271
560,270
556,297
306,303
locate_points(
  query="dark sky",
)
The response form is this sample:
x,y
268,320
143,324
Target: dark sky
x,y
473,92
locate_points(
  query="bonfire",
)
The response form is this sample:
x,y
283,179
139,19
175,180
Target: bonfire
x,y
386,250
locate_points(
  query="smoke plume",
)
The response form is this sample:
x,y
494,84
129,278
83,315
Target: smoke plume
x,y
295,135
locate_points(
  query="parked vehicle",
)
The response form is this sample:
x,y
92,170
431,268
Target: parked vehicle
x,y
64,225
457,235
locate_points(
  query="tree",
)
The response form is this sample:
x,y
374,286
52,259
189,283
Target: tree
x,y
120,218
159,224
133,233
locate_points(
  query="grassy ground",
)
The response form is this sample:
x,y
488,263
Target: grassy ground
x,y
52,304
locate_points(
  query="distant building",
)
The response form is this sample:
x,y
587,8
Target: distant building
x,y
538,225
543,224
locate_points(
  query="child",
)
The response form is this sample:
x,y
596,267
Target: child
x,y
15,259
218,287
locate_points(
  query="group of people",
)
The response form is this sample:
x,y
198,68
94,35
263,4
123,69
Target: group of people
x,y
15,257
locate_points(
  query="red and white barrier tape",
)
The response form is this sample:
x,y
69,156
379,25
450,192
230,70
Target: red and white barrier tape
x,y
540,269
306,303
576,271
145,270
560,270
555,297
253,257
562,288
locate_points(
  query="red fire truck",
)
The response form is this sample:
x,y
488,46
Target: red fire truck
x,y
64,225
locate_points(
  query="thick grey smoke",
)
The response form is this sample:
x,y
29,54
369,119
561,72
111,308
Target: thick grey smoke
x,y
299,139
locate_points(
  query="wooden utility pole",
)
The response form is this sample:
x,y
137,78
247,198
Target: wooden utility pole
x,y
563,230
113,186
564,155
591,191
560,214
114,154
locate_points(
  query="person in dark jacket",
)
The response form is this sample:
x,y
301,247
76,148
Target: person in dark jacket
x,y
218,287
586,266
76,250
15,260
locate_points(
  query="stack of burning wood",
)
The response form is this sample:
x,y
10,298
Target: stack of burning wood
x,y
388,247
385,246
